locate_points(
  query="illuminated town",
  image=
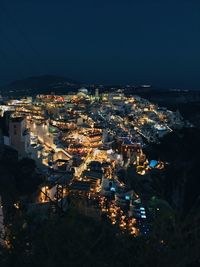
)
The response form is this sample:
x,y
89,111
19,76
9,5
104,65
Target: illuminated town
x,y
81,142
99,133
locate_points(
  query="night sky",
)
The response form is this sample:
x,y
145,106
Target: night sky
x,y
107,41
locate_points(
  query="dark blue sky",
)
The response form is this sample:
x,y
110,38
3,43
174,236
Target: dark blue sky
x,y
107,41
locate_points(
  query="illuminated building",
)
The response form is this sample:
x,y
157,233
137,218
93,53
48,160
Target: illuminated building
x,y
115,97
19,135
128,148
97,94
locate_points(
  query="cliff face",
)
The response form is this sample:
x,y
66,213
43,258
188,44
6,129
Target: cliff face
x,y
177,99
181,184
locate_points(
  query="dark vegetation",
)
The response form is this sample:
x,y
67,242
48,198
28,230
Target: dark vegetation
x,y
76,240
18,181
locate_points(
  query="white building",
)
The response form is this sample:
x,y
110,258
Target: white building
x,y
19,137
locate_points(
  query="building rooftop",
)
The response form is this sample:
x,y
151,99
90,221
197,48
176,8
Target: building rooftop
x,y
81,186
93,174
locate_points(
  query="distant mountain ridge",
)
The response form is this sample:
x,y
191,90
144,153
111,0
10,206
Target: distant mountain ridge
x,y
40,84
37,82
